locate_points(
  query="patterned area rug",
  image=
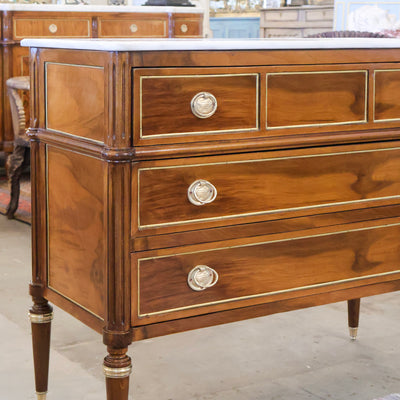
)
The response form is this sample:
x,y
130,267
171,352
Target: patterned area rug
x,y
24,208
395,396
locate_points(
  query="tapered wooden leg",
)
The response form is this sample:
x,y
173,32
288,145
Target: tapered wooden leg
x,y
41,315
353,307
117,368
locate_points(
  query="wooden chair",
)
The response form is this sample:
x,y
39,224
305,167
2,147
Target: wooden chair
x,y
19,158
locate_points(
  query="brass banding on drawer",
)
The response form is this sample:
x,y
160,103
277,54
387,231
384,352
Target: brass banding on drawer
x,y
263,269
173,105
258,187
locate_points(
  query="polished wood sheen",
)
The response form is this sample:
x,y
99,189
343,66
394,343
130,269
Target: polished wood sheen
x,y
312,98
76,268
85,115
307,186
165,103
134,27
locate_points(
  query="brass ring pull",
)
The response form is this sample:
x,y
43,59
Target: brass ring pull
x,y
184,28
201,192
133,28
202,277
53,28
204,105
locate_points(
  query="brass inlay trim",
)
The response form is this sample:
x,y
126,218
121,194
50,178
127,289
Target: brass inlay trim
x,y
365,120
134,21
224,217
41,318
50,20
266,294
374,95
172,134
48,231
46,103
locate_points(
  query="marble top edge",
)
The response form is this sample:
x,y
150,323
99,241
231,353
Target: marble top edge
x,y
97,8
213,44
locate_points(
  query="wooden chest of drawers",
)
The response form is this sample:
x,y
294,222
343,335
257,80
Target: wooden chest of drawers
x,y
176,189
23,21
299,21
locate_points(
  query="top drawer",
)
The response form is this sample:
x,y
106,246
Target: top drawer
x,y
133,27
51,27
182,104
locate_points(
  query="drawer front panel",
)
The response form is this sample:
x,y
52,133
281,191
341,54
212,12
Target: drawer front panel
x,y
187,27
263,186
387,99
133,28
302,99
264,270
51,27
284,15
166,104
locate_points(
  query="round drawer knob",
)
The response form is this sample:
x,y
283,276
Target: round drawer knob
x,y
204,105
133,28
201,192
202,277
184,28
53,28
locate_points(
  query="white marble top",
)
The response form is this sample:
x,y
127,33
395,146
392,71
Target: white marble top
x,y
97,8
212,44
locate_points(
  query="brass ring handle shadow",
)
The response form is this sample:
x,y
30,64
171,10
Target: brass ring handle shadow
x,y
204,105
202,277
201,192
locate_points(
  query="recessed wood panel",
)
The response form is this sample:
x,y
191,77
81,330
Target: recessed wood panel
x,y
75,100
165,104
134,27
76,260
265,186
51,27
261,270
187,26
316,98
387,95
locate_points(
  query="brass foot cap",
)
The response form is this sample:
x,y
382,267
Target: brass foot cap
x,y
117,372
41,396
353,333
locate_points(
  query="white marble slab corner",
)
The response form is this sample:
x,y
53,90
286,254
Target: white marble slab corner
x,y
213,44
97,8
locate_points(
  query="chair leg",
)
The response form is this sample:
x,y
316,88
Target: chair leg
x,y
353,307
16,165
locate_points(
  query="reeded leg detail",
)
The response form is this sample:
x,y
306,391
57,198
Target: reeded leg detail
x,y
353,307
41,316
117,368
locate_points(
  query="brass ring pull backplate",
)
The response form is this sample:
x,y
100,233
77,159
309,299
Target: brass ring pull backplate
x,y
184,28
53,28
201,192
202,277
204,105
133,28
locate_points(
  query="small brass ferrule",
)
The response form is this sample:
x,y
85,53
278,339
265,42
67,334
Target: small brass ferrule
x,y
353,333
40,318
117,372
41,395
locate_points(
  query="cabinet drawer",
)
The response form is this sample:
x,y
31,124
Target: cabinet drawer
x,y
156,27
319,15
194,104
51,27
265,270
187,27
291,15
267,187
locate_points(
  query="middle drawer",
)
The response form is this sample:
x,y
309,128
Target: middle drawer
x,y
236,189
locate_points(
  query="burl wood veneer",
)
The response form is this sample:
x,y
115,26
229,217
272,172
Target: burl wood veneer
x,y
174,190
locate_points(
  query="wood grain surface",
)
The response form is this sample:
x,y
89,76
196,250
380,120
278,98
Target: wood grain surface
x,y
315,98
76,254
149,26
387,98
75,100
262,269
261,186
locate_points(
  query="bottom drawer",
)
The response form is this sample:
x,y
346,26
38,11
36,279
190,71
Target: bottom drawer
x,y
259,272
